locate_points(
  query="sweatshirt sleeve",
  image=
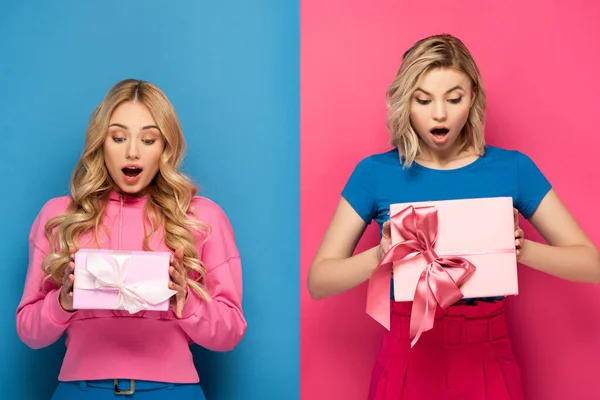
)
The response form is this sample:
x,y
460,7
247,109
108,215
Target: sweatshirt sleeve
x,y
217,324
41,320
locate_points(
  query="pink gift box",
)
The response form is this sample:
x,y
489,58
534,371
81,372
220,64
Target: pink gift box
x,y
121,280
478,230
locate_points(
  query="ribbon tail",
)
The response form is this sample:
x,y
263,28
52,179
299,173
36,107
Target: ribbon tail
x,y
120,300
378,295
442,283
130,301
424,307
139,296
435,286
378,292
152,292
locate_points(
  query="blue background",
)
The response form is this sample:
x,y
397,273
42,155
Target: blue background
x,y
231,70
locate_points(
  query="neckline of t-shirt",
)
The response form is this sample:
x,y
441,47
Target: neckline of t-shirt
x,y
453,170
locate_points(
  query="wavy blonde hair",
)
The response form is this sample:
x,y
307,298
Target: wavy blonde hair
x,y
169,194
438,51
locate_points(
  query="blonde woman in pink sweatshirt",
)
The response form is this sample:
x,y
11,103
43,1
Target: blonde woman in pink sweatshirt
x,y
127,193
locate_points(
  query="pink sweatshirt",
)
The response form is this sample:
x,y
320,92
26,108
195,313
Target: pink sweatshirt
x,y
149,345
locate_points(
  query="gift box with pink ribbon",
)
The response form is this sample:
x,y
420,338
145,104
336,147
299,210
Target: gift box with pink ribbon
x,y
442,252
121,280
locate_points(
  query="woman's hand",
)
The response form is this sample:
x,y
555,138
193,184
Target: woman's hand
x,y
386,240
519,235
178,282
66,293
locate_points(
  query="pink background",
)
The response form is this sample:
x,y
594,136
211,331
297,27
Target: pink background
x,y
539,61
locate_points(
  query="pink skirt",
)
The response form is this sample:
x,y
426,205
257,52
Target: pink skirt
x,y
466,356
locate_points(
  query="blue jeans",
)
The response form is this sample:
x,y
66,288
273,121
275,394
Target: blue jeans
x,y
144,390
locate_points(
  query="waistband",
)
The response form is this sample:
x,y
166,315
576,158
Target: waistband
x,y
477,310
126,386
455,327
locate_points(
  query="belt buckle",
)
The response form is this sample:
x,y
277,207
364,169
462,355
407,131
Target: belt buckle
x,y
455,331
129,391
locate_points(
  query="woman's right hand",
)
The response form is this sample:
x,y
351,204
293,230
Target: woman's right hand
x,y
66,293
386,240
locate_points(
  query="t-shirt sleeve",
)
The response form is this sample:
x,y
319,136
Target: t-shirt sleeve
x,y
532,185
359,190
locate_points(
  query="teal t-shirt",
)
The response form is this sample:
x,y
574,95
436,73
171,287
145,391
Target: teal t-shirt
x,y
379,180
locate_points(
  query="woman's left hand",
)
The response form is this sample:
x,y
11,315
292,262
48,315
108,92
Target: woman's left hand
x,y
519,235
178,282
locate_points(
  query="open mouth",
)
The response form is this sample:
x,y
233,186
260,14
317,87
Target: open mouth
x,y
131,172
440,133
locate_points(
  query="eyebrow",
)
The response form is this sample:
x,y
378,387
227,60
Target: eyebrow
x,y
143,128
447,91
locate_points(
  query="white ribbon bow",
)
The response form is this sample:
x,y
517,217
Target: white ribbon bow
x,y
109,272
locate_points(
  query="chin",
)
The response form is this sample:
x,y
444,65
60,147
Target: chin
x,y
131,190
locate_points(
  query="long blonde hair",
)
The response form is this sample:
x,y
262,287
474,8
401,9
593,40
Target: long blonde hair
x,y
438,51
169,194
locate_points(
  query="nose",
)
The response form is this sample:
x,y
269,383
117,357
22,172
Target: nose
x,y
132,150
439,111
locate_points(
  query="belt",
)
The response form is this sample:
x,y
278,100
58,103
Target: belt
x,y
456,331
121,387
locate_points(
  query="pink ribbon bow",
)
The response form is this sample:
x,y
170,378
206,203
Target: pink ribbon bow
x,y
439,282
